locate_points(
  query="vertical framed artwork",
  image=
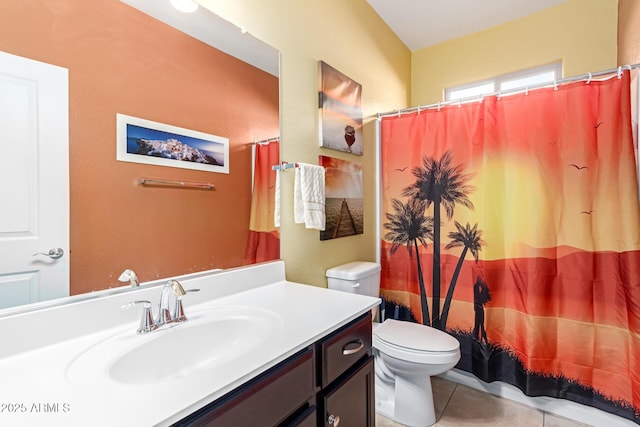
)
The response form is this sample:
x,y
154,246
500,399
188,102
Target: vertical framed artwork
x,y
340,111
343,198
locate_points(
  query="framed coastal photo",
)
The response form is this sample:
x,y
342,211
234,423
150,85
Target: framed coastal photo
x,y
343,198
145,141
340,111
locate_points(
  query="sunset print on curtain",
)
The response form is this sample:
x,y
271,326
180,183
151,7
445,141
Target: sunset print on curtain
x,y
263,243
513,223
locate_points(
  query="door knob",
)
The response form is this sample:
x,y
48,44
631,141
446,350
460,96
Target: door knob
x,y
54,253
333,420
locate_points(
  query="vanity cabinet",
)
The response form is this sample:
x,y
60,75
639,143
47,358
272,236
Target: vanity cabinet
x,y
350,401
345,376
277,397
329,382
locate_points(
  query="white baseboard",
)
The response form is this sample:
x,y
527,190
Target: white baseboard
x,y
561,407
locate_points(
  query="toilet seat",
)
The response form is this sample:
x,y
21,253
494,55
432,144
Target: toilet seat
x,y
415,343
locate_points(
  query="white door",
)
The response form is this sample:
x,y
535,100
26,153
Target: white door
x,y
34,181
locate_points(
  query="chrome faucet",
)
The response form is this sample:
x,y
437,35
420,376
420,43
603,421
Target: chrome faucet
x,y
147,323
165,316
164,313
131,277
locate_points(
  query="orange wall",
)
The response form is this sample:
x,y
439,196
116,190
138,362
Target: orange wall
x,y
122,61
628,32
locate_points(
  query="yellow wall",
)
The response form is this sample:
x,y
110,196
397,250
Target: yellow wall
x,y
581,33
628,32
349,36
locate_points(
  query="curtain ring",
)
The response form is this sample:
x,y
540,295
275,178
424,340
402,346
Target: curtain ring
x,y
418,109
526,90
499,95
438,105
620,72
555,85
589,79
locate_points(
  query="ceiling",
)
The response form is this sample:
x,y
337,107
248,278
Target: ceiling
x,y
418,23
423,23
215,31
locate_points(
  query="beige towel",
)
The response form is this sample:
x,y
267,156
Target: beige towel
x,y
308,196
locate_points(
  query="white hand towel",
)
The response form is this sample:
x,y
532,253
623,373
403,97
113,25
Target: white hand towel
x,y
308,196
276,207
298,202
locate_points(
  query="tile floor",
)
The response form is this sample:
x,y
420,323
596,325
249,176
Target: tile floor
x,y
457,405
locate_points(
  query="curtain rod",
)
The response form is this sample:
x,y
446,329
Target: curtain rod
x,y
588,77
267,141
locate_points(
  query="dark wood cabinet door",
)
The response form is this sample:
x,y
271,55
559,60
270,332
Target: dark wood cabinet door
x,y
305,419
264,401
350,400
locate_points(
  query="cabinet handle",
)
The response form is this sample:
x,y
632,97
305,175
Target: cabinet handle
x,y
333,420
349,349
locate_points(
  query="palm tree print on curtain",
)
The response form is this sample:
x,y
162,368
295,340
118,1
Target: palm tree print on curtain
x,y
443,185
409,226
470,239
533,262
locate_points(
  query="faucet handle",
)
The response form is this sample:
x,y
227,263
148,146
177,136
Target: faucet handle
x,y
176,287
190,291
178,313
147,323
131,277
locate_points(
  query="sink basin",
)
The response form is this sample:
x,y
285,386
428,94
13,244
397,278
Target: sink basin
x,y
210,339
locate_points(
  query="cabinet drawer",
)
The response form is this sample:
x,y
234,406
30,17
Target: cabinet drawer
x,y
265,401
343,348
350,400
307,418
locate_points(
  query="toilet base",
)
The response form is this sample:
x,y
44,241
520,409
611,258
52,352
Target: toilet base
x,y
408,400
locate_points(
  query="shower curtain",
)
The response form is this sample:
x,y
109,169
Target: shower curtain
x,y
513,223
263,243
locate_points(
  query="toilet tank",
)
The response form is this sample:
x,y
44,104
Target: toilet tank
x,y
358,277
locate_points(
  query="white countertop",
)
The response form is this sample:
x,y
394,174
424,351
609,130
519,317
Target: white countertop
x,y
35,389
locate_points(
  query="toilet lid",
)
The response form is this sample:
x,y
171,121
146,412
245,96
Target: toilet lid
x,y
415,336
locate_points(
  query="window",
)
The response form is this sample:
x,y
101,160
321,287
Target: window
x,y
522,79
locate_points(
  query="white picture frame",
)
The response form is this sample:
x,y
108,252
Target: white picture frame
x,y
145,141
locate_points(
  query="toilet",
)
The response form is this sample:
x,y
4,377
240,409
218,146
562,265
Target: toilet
x,y
406,354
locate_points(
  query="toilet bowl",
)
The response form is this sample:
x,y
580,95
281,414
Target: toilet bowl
x,y
406,354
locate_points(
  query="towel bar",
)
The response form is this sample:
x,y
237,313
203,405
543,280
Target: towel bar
x,y
180,184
